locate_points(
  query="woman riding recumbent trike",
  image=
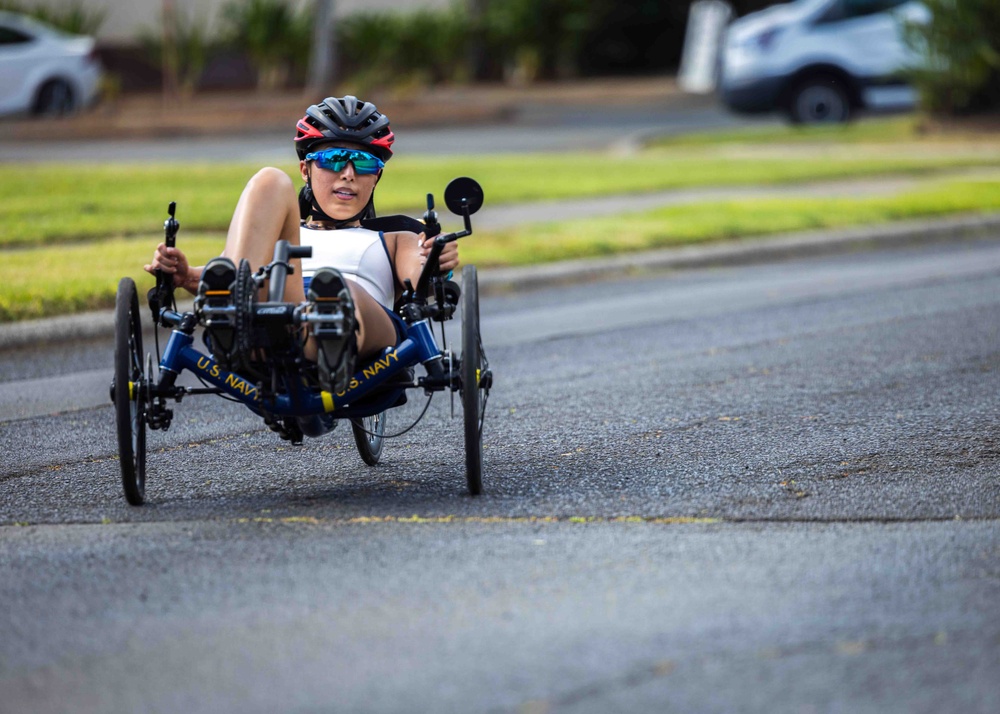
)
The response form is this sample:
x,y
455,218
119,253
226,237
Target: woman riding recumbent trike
x,y
260,350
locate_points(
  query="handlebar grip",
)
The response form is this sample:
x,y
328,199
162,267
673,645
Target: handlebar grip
x,y
162,296
431,225
300,251
170,226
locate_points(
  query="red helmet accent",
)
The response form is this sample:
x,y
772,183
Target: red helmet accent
x,y
305,131
385,142
344,119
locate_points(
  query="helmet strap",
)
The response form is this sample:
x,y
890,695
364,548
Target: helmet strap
x,y
309,207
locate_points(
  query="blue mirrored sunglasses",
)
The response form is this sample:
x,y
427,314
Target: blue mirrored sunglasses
x,y
336,160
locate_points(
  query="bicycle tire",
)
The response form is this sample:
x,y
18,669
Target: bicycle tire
x,y
471,370
369,435
130,393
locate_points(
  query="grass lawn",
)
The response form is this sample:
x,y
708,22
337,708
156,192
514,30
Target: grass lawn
x,y
103,201
49,281
713,221
109,217
73,278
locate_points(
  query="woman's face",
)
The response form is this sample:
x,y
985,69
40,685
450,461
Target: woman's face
x,y
341,194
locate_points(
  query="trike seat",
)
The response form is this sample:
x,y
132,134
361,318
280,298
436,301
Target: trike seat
x,y
393,224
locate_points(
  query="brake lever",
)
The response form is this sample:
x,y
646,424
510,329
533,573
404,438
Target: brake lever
x,y
162,295
431,225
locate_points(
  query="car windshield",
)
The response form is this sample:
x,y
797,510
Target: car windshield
x,y
807,6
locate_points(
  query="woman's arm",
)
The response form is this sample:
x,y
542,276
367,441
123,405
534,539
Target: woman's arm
x,y
411,251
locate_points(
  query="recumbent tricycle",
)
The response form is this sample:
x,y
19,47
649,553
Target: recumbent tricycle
x,y
264,367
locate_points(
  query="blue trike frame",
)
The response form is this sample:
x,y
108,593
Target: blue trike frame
x,y
300,399
268,372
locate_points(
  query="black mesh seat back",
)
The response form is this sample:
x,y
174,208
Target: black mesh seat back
x,y
393,224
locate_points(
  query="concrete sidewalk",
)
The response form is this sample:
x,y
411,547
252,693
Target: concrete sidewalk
x,y
499,280
249,112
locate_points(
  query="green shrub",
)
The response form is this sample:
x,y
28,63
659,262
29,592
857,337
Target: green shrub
x,y
961,47
72,17
191,47
275,35
394,48
529,39
539,38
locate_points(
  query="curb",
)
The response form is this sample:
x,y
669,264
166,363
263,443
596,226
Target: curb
x,y
100,324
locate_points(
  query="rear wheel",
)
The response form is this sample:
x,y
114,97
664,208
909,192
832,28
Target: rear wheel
x,y
54,99
129,393
369,433
476,380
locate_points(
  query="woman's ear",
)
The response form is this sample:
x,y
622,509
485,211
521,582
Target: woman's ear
x,y
304,170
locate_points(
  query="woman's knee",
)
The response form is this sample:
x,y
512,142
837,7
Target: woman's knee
x,y
271,181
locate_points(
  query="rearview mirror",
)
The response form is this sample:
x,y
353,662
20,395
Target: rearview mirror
x,y
463,194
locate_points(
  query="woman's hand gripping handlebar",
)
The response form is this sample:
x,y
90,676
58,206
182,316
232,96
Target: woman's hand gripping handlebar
x,y
415,298
162,296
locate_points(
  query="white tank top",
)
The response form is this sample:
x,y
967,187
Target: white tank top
x,y
360,254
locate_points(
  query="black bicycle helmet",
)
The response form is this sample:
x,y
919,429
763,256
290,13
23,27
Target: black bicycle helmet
x,y
344,119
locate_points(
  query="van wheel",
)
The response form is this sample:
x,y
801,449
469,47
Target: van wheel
x,y
819,99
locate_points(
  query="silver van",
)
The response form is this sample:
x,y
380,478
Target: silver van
x,y
820,60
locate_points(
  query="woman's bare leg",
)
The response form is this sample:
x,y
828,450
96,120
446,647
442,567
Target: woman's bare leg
x,y
375,328
268,211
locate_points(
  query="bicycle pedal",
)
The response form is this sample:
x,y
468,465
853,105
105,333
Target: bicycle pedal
x,y
215,306
333,328
333,325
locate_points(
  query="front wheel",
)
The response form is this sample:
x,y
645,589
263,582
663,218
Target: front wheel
x,y
129,393
819,99
476,380
369,435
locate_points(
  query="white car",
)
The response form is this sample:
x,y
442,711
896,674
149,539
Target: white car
x,y
44,71
820,60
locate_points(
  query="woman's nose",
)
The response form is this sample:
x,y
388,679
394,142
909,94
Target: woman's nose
x,y
348,171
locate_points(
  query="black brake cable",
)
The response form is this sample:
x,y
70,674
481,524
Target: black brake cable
x,y
393,436
156,326
156,339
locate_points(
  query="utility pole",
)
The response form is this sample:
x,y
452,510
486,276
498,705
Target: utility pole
x,y
322,60
477,58
169,60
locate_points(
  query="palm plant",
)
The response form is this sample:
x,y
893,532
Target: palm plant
x,y
274,35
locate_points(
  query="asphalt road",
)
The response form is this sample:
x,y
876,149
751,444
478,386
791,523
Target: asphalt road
x,y
763,488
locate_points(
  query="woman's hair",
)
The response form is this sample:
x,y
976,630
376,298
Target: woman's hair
x,y
344,119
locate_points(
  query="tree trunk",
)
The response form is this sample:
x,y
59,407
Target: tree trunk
x,y
479,63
